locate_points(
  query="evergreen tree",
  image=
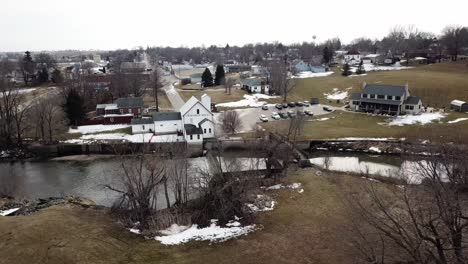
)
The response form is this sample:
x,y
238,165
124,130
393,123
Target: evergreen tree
x,y
57,76
326,55
219,75
28,67
207,78
74,107
360,70
346,70
43,75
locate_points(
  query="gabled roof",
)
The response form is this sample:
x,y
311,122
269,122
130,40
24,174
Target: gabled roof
x,y
252,81
204,120
189,105
412,100
353,52
142,121
192,130
129,102
103,106
382,89
166,116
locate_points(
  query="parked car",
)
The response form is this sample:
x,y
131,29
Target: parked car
x,y
291,104
308,112
301,113
283,115
328,109
263,118
279,106
306,103
264,107
299,104
285,105
291,114
275,116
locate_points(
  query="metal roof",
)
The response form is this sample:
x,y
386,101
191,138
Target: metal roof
x,y
382,89
412,100
129,102
166,116
192,129
142,121
457,102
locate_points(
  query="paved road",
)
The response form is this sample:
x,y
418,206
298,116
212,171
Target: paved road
x,y
250,116
172,94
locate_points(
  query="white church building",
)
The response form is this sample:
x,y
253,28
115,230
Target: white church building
x,y
193,123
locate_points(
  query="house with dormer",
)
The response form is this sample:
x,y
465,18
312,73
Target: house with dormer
x,y
385,99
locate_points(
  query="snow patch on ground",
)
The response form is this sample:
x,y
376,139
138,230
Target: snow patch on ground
x,y
248,101
8,212
308,74
293,186
363,138
423,119
212,233
336,94
372,67
134,231
95,128
375,150
457,120
137,138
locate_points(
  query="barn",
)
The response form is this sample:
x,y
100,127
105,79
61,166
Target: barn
x,y
458,105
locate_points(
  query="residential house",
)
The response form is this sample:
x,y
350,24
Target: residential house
x,y
122,106
255,85
352,57
373,59
132,67
385,99
301,66
193,123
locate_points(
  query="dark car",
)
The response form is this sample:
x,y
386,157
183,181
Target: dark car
x,y
279,106
299,104
291,104
328,109
264,107
285,105
283,115
308,112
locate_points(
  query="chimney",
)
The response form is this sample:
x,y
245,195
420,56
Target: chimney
x,y
206,101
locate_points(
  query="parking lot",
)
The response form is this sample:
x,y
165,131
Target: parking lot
x,y
251,116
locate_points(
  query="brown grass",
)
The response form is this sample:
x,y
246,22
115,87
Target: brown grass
x,y
304,228
436,84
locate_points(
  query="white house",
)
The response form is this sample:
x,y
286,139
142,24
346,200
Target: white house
x,y
255,85
352,57
194,122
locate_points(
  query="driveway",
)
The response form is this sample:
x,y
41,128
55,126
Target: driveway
x,y
172,94
250,116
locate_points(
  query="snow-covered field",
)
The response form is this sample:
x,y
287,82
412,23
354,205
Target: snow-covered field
x,y
372,67
23,91
422,119
458,120
303,75
96,129
177,235
248,101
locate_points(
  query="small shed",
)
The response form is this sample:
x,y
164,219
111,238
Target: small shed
x,y
458,105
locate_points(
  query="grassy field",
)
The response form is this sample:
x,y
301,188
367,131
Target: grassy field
x,y
342,124
303,228
436,84
164,102
217,95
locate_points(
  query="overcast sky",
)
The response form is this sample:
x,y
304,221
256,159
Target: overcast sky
x,y
111,24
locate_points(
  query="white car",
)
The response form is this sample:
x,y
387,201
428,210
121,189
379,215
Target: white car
x,y
263,118
275,116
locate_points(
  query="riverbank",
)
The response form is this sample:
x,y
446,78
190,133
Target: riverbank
x,y
303,228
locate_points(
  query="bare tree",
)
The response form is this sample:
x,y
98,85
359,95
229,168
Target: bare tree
x,y
140,177
230,122
228,85
157,83
278,78
10,100
48,117
177,172
424,222
455,38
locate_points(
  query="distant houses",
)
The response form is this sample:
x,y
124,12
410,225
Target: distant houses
x,y
352,57
120,112
385,99
301,66
192,124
